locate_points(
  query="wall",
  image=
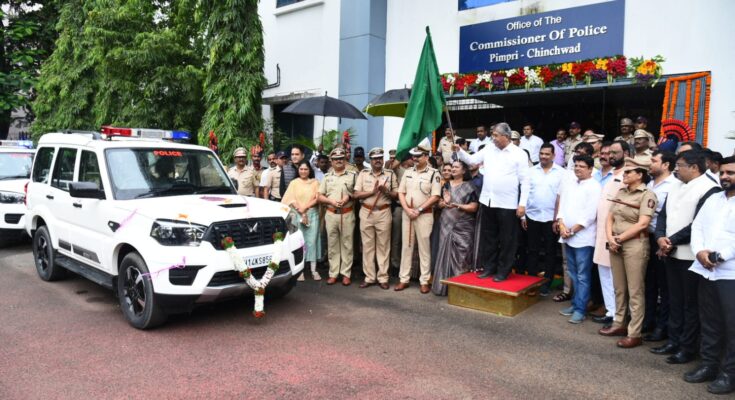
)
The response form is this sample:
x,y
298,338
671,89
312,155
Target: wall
x,y
691,36
303,39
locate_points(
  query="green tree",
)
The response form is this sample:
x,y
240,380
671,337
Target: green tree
x,y
26,38
68,80
137,63
234,73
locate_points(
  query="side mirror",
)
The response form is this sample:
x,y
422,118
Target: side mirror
x,y
234,182
86,190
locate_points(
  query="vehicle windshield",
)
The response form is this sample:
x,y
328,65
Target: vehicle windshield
x,y
158,172
15,165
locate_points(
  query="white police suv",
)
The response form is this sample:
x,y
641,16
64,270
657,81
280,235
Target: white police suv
x,y
16,158
146,217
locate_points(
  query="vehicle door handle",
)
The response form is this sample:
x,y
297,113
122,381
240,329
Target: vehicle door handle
x,y
50,197
77,205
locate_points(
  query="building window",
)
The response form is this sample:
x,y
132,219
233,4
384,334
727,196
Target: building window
x,y
283,3
470,4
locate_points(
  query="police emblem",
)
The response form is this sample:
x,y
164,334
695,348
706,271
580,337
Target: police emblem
x,y
651,204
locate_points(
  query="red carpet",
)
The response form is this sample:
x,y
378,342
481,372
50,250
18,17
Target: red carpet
x,y
514,283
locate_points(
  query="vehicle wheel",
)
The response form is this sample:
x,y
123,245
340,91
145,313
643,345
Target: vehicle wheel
x,y
135,293
44,256
280,291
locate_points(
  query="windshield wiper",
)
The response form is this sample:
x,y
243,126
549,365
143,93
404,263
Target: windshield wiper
x,y
215,190
4,178
175,188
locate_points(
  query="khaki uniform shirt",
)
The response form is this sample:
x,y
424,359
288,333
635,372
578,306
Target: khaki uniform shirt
x,y
366,182
445,147
630,140
336,185
273,181
245,178
646,155
350,167
418,186
569,145
626,215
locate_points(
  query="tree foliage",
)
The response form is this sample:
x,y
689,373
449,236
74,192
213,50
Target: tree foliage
x,y
234,77
135,63
26,39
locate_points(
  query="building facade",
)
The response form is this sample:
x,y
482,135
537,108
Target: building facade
x,y
356,49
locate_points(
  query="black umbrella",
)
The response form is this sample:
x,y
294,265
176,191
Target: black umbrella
x,y
325,106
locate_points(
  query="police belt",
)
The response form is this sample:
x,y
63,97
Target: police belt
x,y
642,235
273,198
342,210
376,208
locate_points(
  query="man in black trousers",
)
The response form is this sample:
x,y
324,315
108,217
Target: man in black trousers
x,y
713,242
673,233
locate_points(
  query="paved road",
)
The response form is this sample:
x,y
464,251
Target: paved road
x,y
69,340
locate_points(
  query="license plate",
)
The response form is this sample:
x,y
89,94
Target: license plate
x,y
257,261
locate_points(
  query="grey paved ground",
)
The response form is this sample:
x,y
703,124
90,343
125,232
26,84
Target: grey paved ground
x,y
69,340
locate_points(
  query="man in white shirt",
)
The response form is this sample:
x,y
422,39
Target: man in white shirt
x,y
482,139
657,315
544,179
577,227
506,174
531,143
673,236
713,242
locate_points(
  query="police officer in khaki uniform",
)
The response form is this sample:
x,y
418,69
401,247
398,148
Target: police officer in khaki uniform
x,y
376,189
418,192
243,173
272,188
642,143
446,145
335,191
627,240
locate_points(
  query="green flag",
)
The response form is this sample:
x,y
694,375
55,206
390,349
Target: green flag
x,y
424,113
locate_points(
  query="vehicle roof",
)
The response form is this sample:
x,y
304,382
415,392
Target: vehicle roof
x,y
86,139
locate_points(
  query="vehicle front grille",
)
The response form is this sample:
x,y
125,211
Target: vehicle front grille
x,y
13,218
245,233
184,276
224,278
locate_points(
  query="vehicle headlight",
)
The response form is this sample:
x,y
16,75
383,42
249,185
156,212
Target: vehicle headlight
x,y
177,233
12,198
292,221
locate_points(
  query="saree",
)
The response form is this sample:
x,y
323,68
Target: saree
x,y
457,237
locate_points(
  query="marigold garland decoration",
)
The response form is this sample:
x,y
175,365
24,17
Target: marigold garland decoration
x,y
646,72
258,285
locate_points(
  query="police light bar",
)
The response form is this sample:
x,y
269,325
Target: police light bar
x,y
111,131
26,144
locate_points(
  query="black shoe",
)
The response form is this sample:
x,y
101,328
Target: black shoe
x,y
603,320
681,357
702,373
656,336
486,274
724,384
668,348
500,278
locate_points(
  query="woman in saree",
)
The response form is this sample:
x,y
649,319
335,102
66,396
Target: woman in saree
x,y
457,227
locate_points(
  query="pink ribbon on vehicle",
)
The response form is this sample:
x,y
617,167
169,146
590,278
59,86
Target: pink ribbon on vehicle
x,y
175,266
127,219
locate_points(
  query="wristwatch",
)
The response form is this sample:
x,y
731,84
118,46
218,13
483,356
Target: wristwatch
x,y
421,209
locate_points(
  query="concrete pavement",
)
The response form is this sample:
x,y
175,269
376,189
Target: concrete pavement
x,y
68,339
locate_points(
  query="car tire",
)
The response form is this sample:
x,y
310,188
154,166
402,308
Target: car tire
x,y
135,293
44,256
280,291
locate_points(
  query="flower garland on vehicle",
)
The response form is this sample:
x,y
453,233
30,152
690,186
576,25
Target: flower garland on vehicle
x,y
258,285
643,71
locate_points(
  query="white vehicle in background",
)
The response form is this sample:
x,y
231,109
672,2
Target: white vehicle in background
x,y
146,217
16,159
